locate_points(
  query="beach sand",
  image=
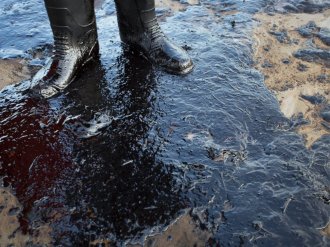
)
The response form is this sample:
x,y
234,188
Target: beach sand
x,y
301,87
13,71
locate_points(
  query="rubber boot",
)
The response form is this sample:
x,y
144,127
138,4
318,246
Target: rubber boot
x,y
138,26
75,43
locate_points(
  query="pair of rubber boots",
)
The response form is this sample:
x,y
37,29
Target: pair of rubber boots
x,y
75,40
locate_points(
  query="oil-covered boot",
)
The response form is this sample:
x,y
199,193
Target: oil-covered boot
x,y
138,26
75,43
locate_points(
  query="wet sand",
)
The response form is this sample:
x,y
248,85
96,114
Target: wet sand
x,y
10,233
13,71
184,232
295,82
325,231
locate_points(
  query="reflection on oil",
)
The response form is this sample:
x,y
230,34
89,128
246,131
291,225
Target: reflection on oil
x,y
120,188
88,162
34,151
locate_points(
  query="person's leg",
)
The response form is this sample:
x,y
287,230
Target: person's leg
x,y
75,43
138,26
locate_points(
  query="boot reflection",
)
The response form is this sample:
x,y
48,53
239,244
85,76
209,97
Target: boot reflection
x,y
121,189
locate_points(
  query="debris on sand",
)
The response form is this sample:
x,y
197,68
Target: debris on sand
x,y
296,46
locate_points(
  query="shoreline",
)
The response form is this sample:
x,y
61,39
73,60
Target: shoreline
x,y
301,87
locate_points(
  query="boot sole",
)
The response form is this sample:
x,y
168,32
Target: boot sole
x,y
179,72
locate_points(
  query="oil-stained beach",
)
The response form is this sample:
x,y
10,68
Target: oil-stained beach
x,y
237,153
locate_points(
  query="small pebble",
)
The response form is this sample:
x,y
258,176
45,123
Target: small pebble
x,y
314,99
286,61
267,64
302,67
322,78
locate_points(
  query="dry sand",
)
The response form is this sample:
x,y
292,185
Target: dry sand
x,y
283,72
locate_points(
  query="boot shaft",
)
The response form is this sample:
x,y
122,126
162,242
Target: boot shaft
x,y
135,18
139,27
72,21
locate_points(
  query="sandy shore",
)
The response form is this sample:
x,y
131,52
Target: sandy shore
x,y
301,87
